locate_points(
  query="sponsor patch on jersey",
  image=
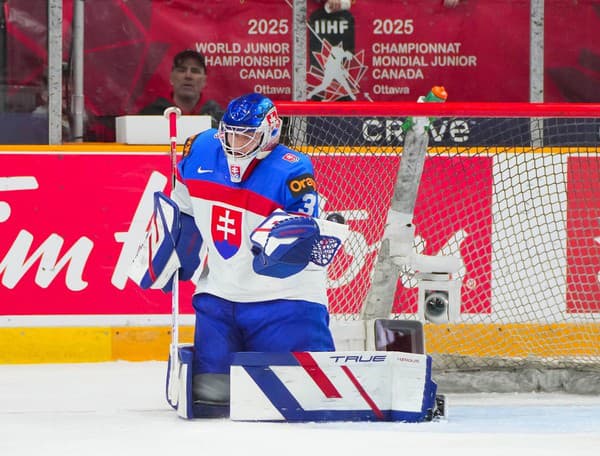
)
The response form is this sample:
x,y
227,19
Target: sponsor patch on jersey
x,y
291,157
305,183
187,146
226,230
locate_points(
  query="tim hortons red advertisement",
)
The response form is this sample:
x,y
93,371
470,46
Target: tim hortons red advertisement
x,y
70,225
463,216
583,235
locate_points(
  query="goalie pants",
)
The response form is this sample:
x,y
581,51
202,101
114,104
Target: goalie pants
x,y
224,327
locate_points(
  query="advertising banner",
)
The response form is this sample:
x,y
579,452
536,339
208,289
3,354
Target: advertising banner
x,y
438,224
394,51
70,228
70,225
375,50
583,235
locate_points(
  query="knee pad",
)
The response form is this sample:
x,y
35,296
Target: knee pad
x,y
212,388
196,396
211,395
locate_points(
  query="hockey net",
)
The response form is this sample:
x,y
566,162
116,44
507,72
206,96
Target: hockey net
x,y
512,189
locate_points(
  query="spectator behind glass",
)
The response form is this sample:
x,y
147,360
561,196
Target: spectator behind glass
x,y
188,78
42,109
42,104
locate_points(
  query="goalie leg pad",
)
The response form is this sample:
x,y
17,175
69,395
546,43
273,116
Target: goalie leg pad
x,y
184,401
332,386
429,396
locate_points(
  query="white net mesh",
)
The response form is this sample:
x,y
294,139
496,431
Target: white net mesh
x,y
516,198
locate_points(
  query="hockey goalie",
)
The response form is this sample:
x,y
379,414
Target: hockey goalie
x,y
243,221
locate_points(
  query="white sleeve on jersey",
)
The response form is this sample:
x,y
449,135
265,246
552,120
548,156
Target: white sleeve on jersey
x,y
181,196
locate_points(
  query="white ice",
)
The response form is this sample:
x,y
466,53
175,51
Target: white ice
x,y
119,409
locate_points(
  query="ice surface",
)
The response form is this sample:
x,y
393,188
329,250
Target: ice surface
x,y
119,409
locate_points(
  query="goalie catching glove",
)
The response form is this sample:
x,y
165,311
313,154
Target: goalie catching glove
x,y
172,242
285,244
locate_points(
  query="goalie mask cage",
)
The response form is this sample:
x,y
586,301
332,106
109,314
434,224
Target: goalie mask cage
x,y
513,190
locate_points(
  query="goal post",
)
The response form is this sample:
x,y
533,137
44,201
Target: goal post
x,y
511,189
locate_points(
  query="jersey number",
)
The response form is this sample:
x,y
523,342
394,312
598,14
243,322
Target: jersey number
x,y
310,201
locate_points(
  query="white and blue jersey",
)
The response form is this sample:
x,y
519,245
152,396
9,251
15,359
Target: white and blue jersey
x,y
226,213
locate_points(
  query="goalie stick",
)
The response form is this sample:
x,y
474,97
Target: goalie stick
x,y
396,249
172,113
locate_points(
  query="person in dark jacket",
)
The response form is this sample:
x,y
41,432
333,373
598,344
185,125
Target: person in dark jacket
x,y
188,78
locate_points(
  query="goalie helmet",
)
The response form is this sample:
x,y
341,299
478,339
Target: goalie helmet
x,y
248,131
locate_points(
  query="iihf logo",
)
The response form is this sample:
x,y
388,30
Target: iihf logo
x,y
337,74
